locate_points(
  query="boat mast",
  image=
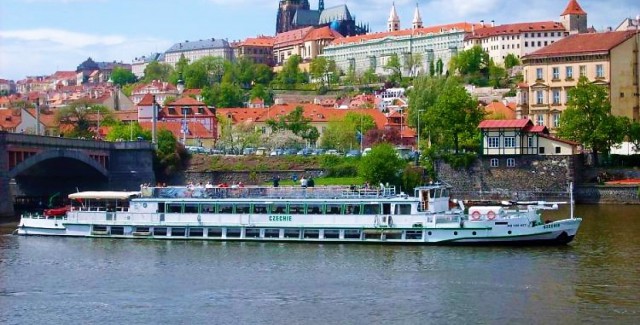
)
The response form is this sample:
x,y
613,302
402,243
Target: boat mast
x,y
571,198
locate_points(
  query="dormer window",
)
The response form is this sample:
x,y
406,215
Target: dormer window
x,y
172,110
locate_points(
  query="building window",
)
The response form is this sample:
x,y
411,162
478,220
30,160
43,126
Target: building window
x,y
539,73
539,97
583,71
493,142
530,142
556,73
509,142
599,71
494,162
556,97
556,120
541,150
540,120
511,162
558,150
569,72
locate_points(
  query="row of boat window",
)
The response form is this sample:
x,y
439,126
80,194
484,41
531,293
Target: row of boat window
x,y
217,232
284,208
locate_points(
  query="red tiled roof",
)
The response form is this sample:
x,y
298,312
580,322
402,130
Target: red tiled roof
x,y
405,32
499,108
260,41
573,8
510,29
9,121
147,100
187,101
291,37
583,43
322,33
505,124
126,116
196,129
156,85
546,136
188,92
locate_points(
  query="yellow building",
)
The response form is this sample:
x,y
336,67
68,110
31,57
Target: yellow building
x,y
609,59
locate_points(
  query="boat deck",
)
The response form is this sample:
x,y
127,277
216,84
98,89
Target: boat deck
x,y
285,192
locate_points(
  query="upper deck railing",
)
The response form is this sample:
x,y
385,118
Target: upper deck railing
x,y
264,192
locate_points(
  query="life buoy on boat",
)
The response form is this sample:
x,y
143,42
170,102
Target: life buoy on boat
x,y
475,215
491,215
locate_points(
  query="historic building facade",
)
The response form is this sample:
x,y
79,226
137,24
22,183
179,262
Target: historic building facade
x,y
609,59
194,50
521,39
296,14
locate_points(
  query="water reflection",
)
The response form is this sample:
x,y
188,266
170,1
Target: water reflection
x,y
594,279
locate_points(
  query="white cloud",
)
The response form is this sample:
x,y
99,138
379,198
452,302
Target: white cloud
x,y
43,51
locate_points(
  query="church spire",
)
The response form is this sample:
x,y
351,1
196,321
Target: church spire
x,y
393,24
320,5
417,20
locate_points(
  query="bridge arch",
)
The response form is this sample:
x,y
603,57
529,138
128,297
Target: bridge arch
x,y
57,153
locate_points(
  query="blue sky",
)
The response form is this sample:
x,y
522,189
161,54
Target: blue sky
x,y
39,37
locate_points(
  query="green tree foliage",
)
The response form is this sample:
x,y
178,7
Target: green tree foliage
x,y
588,120
450,115
432,69
413,62
223,95
634,135
263,75
344,134
369,77
290,75
157,71
439,67
79,116
296,123
395,67
121,76
260,91
381,165
511,60
323,71
127,132
170,156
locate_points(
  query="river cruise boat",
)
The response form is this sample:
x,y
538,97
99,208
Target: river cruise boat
x,y
296,214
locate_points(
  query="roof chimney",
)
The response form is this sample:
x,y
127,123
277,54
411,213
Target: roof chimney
x,y
482,22
493,23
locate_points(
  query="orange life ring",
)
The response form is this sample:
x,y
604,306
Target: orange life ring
x,y
475,215
491,215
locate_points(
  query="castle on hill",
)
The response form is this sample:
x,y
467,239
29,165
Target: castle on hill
x,y
296,14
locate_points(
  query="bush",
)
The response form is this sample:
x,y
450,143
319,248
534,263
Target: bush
x,y
461,160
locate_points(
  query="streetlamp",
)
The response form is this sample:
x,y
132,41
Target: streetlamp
x,y
419,112
98,130
154,121
38,115
185,126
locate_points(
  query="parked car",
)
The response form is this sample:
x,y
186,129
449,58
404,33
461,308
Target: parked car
x,y
196,149
353,153
248,151
262,151
305,152
333,152
366,151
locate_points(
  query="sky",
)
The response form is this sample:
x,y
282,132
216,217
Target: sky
x,y
39,37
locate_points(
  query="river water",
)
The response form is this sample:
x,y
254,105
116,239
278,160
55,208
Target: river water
x,y
594,280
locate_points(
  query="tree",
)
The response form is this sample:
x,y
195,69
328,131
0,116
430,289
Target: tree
x,y
369,77
413,63
634,135
263,75
296,123
290,74
588,120
432,69
223,95
381,165
170,157
127,131
79,116
157,71
511,60
346,133
394,65
260,91
121,76
450,115
439,67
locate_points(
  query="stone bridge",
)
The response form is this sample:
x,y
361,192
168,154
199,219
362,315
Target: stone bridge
x,y
38,167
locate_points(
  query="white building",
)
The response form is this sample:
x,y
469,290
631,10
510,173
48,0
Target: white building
x,y
198,49
372,51
139,64
521,39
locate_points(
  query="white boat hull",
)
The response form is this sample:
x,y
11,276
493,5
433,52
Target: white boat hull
x,y
480,233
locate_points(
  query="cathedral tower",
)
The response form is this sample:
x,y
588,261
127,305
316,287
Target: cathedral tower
x,y
393,24
574,18
286,10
